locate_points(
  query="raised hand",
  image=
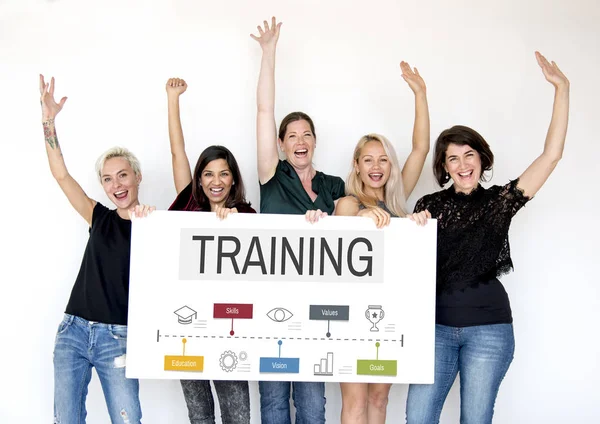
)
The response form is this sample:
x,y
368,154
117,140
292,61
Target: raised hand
x,y
49,106
268,36
413,78
551,71
176,87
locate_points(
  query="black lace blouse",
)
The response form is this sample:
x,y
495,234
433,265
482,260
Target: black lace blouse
x,y
473,228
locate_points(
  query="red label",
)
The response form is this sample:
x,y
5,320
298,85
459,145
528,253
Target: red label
x,y
233,310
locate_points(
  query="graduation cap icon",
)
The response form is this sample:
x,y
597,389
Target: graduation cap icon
x,y
185,315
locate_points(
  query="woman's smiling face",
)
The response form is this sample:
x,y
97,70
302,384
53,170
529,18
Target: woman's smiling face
x,y
373,166
120,182
216,180
463,163
298,144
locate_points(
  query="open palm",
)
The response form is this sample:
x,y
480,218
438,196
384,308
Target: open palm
x,y
413,78
551,71
268,36
49,106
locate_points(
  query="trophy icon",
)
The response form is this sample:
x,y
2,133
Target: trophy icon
x,y
374,314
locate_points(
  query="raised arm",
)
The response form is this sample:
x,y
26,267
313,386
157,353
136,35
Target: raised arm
x,y
420,138
77,197
182,174
538,172
266,130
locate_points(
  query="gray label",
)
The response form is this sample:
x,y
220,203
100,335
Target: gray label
x,y
329,312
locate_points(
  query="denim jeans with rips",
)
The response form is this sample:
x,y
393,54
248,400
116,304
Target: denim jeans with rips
x,y
80,346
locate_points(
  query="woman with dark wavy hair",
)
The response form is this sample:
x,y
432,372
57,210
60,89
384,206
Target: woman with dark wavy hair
x,y
474,333
216,186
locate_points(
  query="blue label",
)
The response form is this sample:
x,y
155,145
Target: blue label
x,y
280,365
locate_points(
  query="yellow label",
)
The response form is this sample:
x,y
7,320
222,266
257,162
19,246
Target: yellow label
x,y
184,363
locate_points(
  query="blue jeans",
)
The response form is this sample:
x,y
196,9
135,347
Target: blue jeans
x,y
81,345
309,400
234,400
481,355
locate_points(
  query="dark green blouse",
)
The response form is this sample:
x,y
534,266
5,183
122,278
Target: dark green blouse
x,y
284,192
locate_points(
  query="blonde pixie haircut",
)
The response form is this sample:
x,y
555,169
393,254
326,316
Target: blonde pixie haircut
x,y
118,152
394,188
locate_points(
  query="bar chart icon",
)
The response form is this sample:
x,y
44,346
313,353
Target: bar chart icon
x,y
325,365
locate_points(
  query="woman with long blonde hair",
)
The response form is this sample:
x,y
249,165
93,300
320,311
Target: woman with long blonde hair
x,y
377,188
375,153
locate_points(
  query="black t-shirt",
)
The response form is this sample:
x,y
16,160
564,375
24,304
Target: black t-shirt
x,y
284,193
486,303
101,290
472,250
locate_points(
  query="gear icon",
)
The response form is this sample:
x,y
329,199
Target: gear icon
x,y
243,356
228,361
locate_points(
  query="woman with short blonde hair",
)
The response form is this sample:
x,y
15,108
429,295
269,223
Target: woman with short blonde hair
x,y
93,332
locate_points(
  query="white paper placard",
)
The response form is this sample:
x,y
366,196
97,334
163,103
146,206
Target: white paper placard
x,y
272,297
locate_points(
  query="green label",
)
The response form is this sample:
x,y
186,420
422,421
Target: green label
x,y
376,367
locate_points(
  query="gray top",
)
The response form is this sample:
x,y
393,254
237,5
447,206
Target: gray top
x,y
380,204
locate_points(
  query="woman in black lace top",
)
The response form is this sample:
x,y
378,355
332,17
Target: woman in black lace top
x,y
474,333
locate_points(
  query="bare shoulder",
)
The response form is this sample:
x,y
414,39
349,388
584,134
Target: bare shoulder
x,y
347,206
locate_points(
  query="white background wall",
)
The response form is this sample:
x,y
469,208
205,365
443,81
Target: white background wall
x,y
338,61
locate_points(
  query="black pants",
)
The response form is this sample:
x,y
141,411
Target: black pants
x,y
234,401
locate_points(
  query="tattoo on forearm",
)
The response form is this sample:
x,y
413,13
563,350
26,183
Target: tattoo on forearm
x,y
50,133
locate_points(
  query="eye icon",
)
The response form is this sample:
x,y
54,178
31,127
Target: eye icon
x,y
279,314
